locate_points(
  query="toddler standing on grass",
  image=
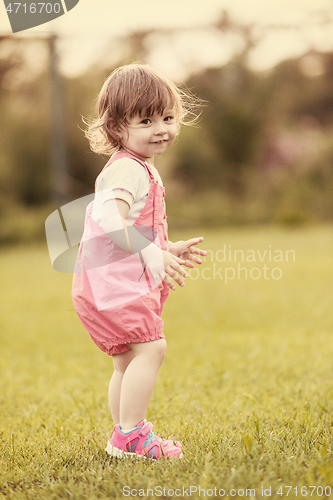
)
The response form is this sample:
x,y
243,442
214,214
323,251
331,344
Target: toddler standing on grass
x,y
126,265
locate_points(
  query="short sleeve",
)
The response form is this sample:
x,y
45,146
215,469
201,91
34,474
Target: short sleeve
x,y
122,194
126,179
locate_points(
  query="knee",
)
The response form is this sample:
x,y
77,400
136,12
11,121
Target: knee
x,y
155,351
160,349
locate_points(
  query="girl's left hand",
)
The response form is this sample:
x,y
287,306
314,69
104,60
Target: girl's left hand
x,y
185,250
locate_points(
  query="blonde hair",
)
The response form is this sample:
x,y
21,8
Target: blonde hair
x,y
135,89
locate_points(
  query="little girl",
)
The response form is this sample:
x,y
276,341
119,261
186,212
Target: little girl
x,y
126,264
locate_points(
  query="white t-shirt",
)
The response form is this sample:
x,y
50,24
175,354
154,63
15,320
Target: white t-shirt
x,y
125,179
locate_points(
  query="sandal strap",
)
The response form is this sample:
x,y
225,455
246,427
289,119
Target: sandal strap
x,y
146,429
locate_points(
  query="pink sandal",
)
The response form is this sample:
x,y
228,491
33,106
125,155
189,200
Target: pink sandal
x,y
142,441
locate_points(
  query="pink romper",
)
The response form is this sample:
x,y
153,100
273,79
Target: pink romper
x,y
112,290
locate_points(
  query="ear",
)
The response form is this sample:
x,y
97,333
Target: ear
x,y
112,127
115,133
115,130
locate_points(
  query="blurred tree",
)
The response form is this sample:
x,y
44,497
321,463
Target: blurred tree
x,y
24,126
84,165
225,146
262,149
318,102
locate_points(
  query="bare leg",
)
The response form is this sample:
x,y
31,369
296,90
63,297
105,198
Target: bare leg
x,y
133,382
120,362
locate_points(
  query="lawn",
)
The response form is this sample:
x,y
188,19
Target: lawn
x,y
247,384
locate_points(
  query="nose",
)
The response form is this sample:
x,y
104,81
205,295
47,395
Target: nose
x,y
160,128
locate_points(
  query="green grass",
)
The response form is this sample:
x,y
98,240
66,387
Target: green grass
x,y
247,384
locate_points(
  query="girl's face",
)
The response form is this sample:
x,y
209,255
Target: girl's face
x,y
149,137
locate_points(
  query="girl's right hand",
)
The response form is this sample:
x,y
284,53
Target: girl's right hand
x,y
164,266
173,269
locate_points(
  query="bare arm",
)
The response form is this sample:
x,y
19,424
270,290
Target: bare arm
x,y
162,264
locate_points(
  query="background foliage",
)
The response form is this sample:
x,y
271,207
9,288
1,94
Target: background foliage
x,y
262,151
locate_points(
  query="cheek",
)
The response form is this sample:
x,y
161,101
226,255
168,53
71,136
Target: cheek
x,y
173,133
124,136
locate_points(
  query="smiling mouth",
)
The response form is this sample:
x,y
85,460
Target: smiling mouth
x,y
160,142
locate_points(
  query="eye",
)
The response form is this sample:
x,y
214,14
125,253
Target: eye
x,y
169,118
146,121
